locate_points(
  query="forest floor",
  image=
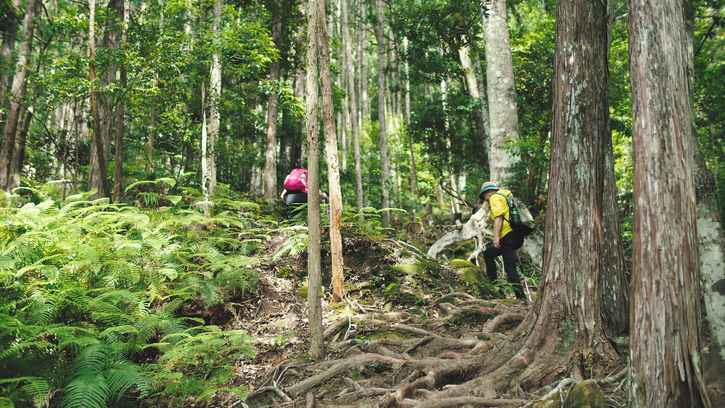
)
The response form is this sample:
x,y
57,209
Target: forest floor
x,y
405,316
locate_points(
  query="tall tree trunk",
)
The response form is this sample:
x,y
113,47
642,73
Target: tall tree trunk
x,y
16,165
298,150
406,115
348,80
364,100
481,117
665,367
314,259
215,90
18,157
384,163
120,114
333,166
353,112
270,164
18,90
501,92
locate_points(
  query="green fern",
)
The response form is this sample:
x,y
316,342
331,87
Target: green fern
x,y
89,287
295,243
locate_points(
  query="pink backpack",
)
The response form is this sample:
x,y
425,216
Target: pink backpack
x,y
296,181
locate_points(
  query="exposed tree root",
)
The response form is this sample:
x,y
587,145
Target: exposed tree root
x,y
418,364
472,401
494,325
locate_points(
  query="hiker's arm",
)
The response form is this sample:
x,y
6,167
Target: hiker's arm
x,y
497,225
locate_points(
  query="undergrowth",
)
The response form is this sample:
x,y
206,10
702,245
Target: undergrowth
x,y
92,291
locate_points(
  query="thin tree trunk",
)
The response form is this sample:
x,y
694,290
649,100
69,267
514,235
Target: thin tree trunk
x,y
384,163
18,157
481,117
105,190
120,115
16,165
314,259
353,114
501,92
270,164
204,138
333,166
665,368
364,100
299,144
406,115
18,90
215,90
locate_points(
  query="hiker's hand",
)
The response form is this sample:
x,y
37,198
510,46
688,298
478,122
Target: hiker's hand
x,y
497,242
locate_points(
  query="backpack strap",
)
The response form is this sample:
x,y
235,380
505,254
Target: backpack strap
x,y
508,203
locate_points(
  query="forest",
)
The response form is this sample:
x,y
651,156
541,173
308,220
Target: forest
x,y
146,256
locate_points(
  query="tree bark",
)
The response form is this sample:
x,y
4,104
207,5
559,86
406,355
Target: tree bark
x,y
270,164
665,346
333,166
384,162
314,261
18,90
504,119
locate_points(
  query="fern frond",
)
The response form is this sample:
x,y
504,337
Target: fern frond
x,y
40,309
38,389
18,348
87,390
294,245
124,375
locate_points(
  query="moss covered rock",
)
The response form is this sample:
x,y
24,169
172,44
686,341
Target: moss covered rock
x,y
586,394
552,402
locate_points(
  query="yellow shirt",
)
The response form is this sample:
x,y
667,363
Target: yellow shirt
x,y
499,206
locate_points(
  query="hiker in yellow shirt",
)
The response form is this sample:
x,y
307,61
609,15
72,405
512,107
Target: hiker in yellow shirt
x,y
505,240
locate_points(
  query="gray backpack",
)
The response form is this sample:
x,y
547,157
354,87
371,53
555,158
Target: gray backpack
x,y
521,219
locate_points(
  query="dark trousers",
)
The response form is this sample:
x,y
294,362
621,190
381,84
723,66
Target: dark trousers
x,y
509,244
292,201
